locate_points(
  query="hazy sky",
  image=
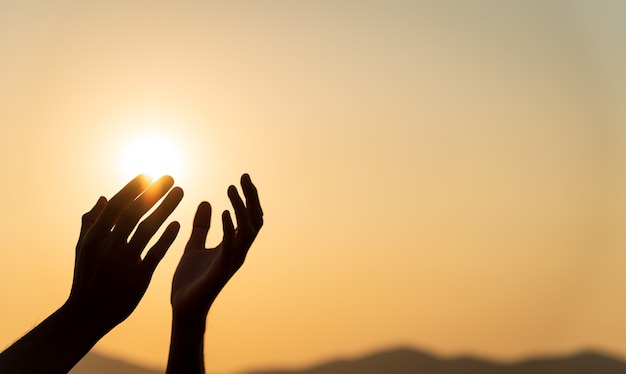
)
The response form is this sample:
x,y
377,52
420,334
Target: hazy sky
x,y
448,175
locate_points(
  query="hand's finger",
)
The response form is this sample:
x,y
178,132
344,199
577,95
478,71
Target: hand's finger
x,y
229,231
89,218
201,225
116,205
159,249
228,244
133,213
252,202
149,226
244,225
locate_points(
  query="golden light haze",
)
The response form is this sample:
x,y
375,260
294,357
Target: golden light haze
x,y
446,175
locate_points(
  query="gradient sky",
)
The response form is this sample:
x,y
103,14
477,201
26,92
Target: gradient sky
x,y
442,174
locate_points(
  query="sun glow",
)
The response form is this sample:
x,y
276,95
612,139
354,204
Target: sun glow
x,y
152,153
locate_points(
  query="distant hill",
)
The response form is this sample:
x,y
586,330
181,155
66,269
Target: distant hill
x,y
403,360
94,363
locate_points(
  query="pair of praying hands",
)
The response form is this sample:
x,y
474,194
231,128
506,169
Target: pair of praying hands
x,y
113,270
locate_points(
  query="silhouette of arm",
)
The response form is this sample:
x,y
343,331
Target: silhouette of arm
x,y
110,277
202,273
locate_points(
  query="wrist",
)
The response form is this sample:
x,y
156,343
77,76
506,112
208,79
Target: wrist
x,y
189,321
186,353
87,320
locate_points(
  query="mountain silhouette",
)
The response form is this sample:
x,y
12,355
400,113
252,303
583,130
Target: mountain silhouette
x,y
405,360
95,363
401,361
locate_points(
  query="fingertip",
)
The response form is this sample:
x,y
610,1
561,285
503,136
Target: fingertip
x,y
166,180
201,223
245,178
174,226
139,183
99,204
178,192
204,208
235,199
143,177
227,220
170,233
229,230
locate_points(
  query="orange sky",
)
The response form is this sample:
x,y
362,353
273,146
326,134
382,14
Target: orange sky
x,y
440,174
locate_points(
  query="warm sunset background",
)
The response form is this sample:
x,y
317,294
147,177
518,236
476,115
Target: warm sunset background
x,y
449,175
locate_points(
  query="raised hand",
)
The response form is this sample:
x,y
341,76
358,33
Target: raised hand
x,y
110,277
202,273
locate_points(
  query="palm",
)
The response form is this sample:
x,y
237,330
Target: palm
x,y
197,279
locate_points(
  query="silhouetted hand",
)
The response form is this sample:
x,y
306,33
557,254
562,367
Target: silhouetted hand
x,y
110,277
202,273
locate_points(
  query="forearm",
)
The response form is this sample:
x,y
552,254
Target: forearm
x,y
55,345
187,346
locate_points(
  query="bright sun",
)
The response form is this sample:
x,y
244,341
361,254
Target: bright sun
x,y
152,153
